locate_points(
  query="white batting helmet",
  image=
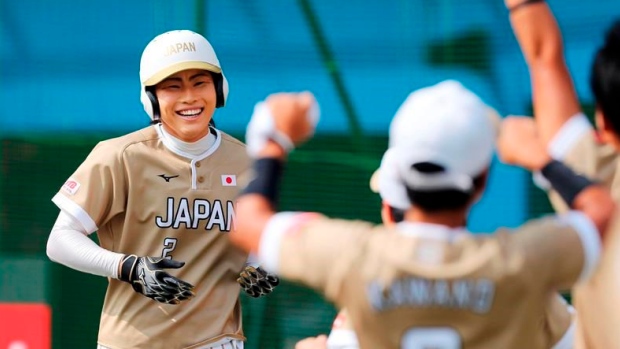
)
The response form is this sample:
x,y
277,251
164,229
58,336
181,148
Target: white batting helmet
x,y
172,52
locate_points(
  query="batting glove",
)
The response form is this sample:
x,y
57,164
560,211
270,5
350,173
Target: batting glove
x,y
146,276
256,282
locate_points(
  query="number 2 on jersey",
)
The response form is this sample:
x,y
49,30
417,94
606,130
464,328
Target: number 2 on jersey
x,y
169,245
431,338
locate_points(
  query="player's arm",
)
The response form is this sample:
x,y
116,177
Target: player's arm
x,y
564,130
277,125
299,246
578,233
554,97
565,249
69,245
519,144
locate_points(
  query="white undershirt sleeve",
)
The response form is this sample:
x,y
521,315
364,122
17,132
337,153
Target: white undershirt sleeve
x,y
69,245
253,260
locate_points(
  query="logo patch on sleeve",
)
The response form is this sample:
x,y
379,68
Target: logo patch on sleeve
x,y
229,180
71,186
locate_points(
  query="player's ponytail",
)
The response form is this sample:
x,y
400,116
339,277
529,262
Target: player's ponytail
x,y
605,77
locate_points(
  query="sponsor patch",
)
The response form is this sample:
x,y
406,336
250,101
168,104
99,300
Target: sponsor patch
x,y
71,186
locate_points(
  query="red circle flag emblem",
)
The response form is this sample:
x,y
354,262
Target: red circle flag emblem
x,y
229,180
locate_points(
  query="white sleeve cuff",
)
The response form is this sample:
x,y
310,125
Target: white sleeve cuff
x,y
252,260
590,240
76,211
568,135
269,246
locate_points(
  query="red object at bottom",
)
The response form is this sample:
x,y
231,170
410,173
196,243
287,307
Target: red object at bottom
x,y
25,326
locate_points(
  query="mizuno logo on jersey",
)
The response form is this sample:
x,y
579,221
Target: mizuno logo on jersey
x,y
167,178
199,214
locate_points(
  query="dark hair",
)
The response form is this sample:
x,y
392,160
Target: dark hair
x,y
605,77
442,199
397,214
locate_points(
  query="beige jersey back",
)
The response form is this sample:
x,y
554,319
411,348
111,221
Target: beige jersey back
x,y
426,286
598,301
557,326
144,199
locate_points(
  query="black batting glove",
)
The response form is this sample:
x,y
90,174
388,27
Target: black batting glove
x,y
146,276
256,282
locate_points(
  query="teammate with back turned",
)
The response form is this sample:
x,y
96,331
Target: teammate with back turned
x,y
569,137
557,324
429,282
162,198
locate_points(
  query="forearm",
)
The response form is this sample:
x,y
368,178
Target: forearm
x,y
596,203
554,97
537,32
581,194
253,214
69,245
257,202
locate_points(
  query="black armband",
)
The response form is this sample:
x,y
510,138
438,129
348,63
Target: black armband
x,y
266,181
523,4
565,181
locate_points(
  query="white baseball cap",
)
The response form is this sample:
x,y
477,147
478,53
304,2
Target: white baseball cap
x,y
446,125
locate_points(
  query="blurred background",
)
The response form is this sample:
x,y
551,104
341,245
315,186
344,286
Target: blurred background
x,y
69,78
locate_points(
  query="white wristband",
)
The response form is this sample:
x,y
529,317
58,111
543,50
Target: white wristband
x,y
261,129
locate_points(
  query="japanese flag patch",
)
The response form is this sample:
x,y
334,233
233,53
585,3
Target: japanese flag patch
x,y
229,180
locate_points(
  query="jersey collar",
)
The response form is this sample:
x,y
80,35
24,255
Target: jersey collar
x,y
430,231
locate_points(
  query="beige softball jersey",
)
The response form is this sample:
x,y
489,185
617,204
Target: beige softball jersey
x,y
424,285
145,199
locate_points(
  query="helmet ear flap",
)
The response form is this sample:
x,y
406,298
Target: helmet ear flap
x,y
150,103
221,89
150,93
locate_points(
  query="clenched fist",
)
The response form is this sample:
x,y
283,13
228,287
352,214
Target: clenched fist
x,y
519,143
294,114
288,119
